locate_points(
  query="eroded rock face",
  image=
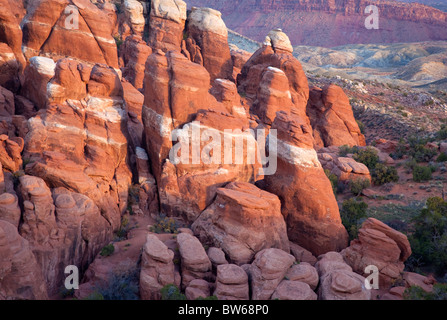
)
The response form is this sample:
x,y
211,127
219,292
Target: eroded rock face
x,y
243,220
198,288
166,24
20,274
134,53
157,268
267,271
10,152
177,97
134,12
74,238
9,208
308,203
337,281
332,118
194,260
381,246
92,158
46,31
207,28
273,95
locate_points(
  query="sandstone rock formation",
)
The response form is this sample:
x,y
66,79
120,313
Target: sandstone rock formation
x,y
314,225
337,281
293,290
243,220
166,24
207,28
9,208
20,274
157,268
197,288
134,54
194,260
303,272
278,57
381,246
332,118
346,169
49,25
87,109
231,283
74,238
267,271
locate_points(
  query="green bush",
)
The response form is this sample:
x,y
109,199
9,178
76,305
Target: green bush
x,y
361,126
357,185
442,157
421,173
108,250
417,293
120,286
163,224
353,213
382,174
400,151
333,179
344,150
171,292
442,134
369,157
429,239
419,151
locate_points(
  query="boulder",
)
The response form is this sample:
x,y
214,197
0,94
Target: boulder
x,y
194,260
267,271
231,283
197,288
338,281
157,268
303,272
293,290
381,246
242,221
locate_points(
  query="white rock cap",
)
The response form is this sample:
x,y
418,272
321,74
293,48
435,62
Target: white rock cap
x,y
278,40
207,19
174,10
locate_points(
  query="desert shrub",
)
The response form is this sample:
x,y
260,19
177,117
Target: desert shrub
x,y
357,185
421,173
361,126
171,292
133,197
368,157
333,179
400,151
108,250
344,150
442,133
382,174
121,286
121,234
442,157
429,239
118,41
417,293
353,213
419,151
164,224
